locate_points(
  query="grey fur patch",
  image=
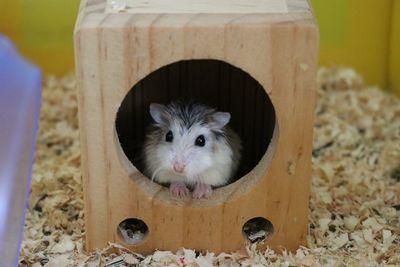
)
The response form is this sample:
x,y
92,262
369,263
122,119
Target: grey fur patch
x,y
188,114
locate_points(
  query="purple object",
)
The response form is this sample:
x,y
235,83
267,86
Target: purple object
x,y
20,90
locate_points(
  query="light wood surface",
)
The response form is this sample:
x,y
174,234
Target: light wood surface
x,y
116,51
196,6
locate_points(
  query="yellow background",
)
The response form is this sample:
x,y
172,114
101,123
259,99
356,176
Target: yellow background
x,y
363,34
42,30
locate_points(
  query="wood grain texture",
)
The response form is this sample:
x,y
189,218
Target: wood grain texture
x,y
198,6
116,51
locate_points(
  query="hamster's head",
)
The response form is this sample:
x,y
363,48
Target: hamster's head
x,y
186,137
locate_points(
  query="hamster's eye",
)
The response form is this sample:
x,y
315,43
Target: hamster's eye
x,y
169,137
200,141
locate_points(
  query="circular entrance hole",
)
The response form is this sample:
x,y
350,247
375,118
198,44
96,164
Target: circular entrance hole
x,y
214,83
257,230
132,231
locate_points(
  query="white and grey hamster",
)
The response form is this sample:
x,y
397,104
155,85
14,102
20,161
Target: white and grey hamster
x,y
190,146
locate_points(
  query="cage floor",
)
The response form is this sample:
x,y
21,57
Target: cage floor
x,y
354,206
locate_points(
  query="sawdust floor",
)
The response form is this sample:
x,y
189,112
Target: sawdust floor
x,y
355,195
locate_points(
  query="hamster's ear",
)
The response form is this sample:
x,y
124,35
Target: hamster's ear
x,y
220,119
158,112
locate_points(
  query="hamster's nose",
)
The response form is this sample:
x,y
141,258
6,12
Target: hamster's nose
x,y
179,167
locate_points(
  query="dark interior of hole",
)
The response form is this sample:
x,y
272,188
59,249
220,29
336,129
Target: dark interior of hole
x,y
258,229
212,82
133,230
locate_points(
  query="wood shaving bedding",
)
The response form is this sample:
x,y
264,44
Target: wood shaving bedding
x,y
355,196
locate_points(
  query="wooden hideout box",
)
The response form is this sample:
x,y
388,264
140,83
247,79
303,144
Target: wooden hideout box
x,y
254,58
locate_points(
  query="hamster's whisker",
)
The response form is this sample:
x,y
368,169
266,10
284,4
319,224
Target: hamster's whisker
x,y
155,173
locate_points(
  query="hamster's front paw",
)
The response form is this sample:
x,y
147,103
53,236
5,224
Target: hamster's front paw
x,y
202,191
178,189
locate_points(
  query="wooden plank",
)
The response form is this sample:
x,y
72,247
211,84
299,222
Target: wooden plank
x,y
197,6
117,51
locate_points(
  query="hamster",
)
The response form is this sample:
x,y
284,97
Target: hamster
x,y
190,146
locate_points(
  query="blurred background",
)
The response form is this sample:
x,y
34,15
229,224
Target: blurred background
x,y
361,34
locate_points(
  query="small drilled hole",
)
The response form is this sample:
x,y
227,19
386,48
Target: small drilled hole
x,y
133,231
258,229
